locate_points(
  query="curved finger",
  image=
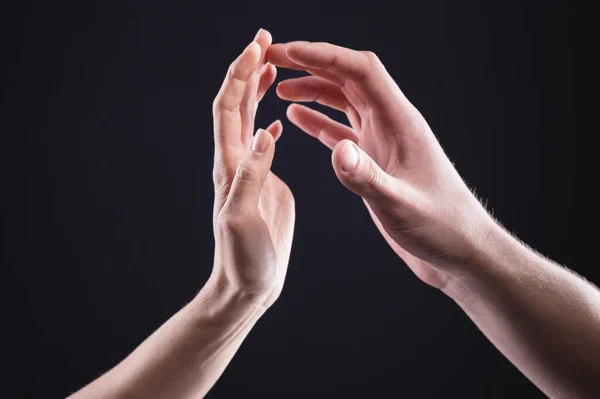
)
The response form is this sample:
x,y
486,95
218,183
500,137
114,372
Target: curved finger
x,y
277,56
363,68
249,100
320,126
267,77
313,88
275,128
250,175
226,107
346,63
264,39
322,91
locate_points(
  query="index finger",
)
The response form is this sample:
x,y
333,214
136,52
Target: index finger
x,y
226,107
349,64
276,55
361,67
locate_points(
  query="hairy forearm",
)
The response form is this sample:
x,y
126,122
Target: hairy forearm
x,y
541,316
187,354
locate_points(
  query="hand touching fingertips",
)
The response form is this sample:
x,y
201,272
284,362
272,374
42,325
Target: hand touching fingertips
x,y
388,155
254,210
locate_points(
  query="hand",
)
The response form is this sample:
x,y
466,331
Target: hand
x,y
390,156
254,210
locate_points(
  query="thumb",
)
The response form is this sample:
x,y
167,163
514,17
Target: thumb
x,y
251,174
360,173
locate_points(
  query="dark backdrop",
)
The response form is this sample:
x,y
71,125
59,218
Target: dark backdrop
x,y
107,191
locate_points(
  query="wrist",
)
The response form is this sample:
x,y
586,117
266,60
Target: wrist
x,y
221,299
493,254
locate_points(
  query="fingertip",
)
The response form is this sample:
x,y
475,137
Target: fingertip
x,y
345,156
264,69
350,157
275,128
268,69
263,36
291,110
270,51
251,47
262,32
253,51
264,39
262,141
283,88
267,76
278,89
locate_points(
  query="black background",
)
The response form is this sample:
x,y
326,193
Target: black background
x,y
107,191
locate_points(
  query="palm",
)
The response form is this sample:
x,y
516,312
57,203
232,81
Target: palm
x,y
276,206
370,139
422,269
387,156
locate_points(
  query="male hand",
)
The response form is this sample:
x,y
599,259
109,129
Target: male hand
x,y
389,156
254,210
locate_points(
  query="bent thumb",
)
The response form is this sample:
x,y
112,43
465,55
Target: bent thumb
x,y
359,172
251,174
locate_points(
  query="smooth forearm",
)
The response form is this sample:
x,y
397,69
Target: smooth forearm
x,y
542,317
187,354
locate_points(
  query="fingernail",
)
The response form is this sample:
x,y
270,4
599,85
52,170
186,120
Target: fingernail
x,y
350,158
264,67
260,143
252,43
258,33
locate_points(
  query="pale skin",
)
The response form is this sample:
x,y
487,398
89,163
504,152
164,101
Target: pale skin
x,y
253,219
541,316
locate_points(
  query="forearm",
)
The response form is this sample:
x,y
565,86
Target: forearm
x,y
187,354
542,317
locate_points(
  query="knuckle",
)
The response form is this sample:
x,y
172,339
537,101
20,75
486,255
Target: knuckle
x,y
245,172
220,176
371,57
364,67
217,104
230,222
374,65
232,70
373,179
236,72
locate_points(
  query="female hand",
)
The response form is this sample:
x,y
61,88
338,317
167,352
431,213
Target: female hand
x,y
254,210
